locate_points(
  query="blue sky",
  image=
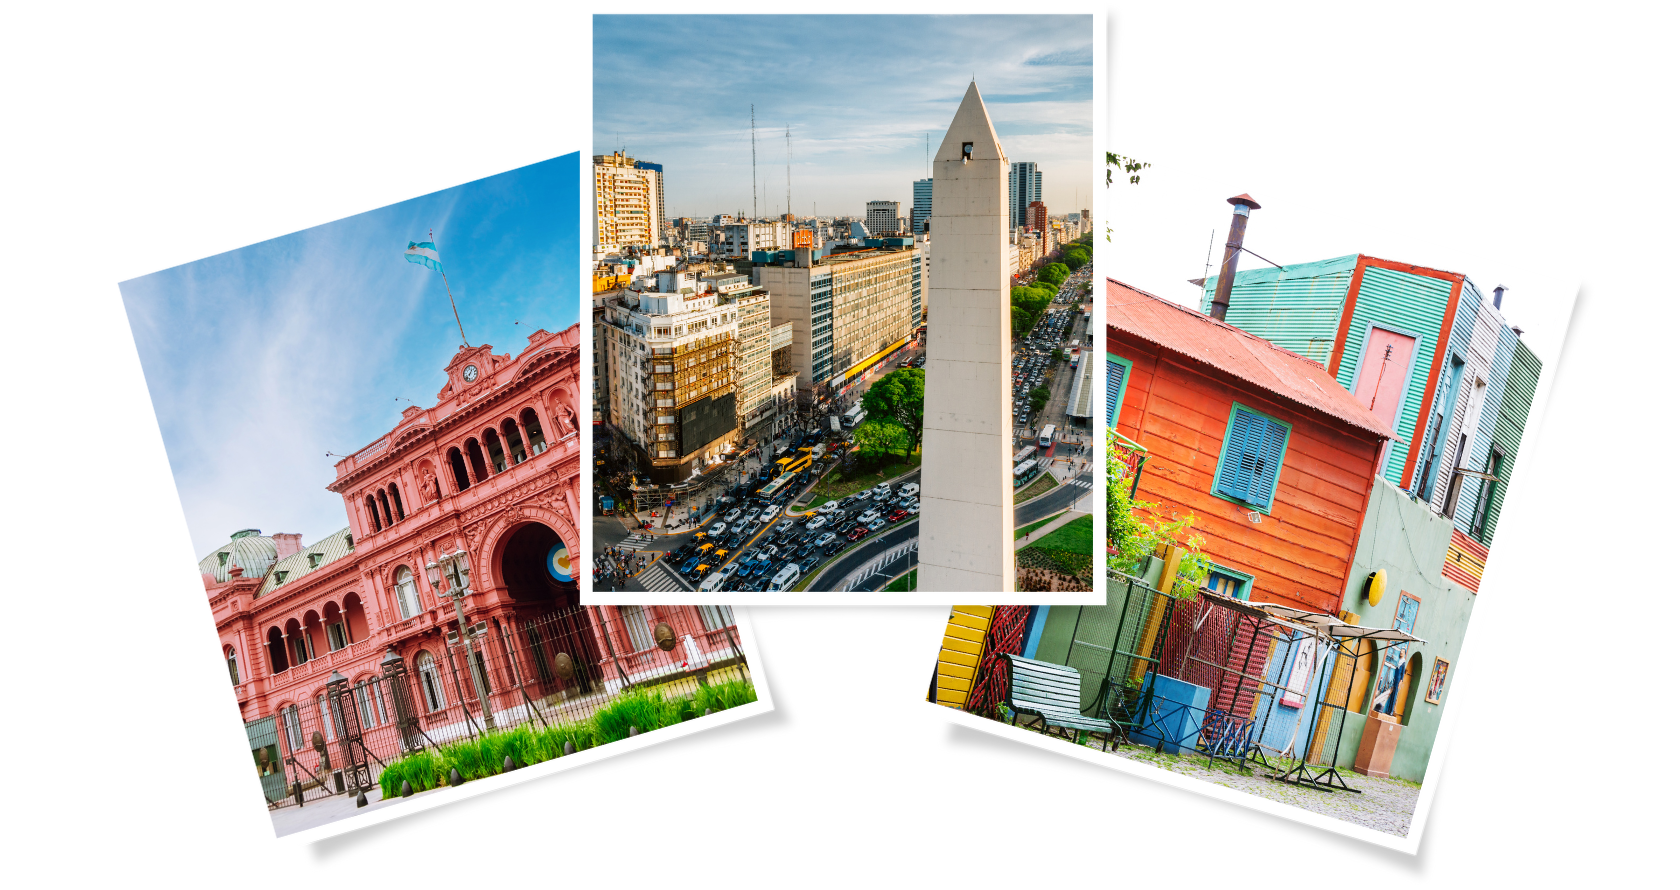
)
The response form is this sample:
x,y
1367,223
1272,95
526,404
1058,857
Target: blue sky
x,y
859,92
263,359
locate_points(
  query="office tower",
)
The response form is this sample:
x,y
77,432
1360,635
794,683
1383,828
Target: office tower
x,y
881,218
921,205
1026,185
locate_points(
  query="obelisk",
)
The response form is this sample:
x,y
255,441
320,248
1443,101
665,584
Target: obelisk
x,y
967,519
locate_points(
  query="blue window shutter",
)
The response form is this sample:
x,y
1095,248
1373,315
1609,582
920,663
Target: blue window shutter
x,y
1269,463
1116,386
1237,466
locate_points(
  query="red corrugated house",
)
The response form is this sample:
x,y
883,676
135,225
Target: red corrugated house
x,y
1273,457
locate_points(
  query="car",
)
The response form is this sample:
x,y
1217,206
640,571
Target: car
x,y
784,579
898,514
882,494
869,517
805,551
760,567
829,507
909,488
769,513
833,547
914,509
816,523
689,566
717,528
877,525
786,524
809,564
856,532
740,528
824,539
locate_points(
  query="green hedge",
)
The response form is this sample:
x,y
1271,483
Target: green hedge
x,y
646,709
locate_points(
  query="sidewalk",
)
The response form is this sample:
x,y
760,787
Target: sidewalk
x,y
1045,529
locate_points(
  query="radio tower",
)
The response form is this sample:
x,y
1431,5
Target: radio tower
x,y
753,112
790,171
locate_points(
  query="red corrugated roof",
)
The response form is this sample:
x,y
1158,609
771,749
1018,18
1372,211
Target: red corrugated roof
x,y
1236,352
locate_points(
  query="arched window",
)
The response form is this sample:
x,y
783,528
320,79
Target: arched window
x,y
431,682
277,660
294,727
459,465
533,431
233,665
327,722
515,447
338,631
475,459
493,447
385,506
408,599
635,624
373,513
396,501
298,650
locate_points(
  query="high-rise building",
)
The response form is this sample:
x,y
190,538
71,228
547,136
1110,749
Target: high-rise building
x,y
1026,185
848,310
921,206
967,528
671,366
656,202
881,218
627,198
1038,217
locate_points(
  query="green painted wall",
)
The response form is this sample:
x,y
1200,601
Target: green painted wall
x,y
1409,541
1520,383
1297,307
1055,643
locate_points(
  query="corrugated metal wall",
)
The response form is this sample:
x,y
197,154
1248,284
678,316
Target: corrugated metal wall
x,y
1476,317
1523,379
1482,437
1297,307
1415,305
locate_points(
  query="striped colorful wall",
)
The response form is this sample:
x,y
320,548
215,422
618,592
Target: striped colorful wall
x,y
959,654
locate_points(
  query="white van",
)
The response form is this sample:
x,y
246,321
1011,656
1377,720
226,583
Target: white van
x,y
716,579
784,579
908,489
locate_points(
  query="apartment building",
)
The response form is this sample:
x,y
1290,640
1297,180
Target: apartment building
x,y
628,204
847,310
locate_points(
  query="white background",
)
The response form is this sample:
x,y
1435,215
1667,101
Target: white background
x,y
136,140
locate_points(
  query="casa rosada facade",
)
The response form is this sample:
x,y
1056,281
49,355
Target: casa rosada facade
x,y
491,469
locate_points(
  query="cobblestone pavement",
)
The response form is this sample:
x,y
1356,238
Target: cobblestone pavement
x,y
1385,805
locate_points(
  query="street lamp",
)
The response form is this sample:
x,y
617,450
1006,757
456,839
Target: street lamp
x,y
457,570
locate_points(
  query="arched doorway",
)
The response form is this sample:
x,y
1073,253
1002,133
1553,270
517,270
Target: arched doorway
x,y
546,619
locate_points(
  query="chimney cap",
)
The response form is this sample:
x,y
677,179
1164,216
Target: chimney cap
x,y
1244,199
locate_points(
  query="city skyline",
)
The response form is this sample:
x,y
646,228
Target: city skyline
x,y
859,130
261,360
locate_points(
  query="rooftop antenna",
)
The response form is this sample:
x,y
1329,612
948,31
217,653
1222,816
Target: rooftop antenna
x,y
752,111
790,171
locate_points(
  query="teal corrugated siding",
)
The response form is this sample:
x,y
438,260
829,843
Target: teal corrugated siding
x,y
1520,384
1413,304
1296,307
1482,436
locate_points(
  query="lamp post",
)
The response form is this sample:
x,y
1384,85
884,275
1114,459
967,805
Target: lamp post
x,y
456,570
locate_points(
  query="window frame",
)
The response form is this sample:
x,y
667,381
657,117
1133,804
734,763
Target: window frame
x,y
1244,580
1119,397
1224,450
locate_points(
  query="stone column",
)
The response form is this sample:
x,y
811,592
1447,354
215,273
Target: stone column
x,y
967,518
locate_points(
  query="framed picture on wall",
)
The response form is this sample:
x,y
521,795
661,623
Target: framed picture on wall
x,y
1437,682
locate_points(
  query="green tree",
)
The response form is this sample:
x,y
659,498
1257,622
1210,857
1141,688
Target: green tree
x,y
1136,530
1020,320
1076,257
877,438
899,396
1053,274
1038,397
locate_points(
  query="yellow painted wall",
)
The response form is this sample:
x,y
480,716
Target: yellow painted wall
x,y
959,653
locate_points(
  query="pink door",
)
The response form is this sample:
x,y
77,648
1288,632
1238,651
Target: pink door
x,y
1383,375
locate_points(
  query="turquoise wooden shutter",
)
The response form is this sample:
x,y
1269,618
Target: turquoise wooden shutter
x,y
1116,386
1269,463
1238,464
1248,471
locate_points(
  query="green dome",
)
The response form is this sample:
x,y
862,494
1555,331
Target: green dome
x,y
249,549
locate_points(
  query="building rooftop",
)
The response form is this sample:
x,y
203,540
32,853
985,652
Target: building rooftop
x,y
1238,353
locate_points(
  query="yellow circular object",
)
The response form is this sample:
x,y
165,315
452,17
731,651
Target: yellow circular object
x,y
1375,585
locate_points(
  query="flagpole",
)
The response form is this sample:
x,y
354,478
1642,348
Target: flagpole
x,y
446,290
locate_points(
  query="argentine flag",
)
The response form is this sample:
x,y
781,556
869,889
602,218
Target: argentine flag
x,y
425,253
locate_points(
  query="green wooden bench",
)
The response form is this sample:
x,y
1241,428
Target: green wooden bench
x,y
1048,694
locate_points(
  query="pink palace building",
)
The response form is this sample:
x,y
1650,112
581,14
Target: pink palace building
x,y
492,469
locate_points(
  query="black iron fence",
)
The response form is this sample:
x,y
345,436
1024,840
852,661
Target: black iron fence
x,y
546,671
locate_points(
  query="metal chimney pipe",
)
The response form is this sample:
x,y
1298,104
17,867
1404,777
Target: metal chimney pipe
x,y
1498,295
1233,246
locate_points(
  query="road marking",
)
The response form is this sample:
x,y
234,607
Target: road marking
x,y
660,578
874,566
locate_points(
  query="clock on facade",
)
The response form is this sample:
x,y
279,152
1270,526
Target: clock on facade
x,y
470,373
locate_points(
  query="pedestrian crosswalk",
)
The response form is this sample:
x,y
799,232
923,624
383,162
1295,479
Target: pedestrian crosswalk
x,y
661,577
636,539
1081,482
